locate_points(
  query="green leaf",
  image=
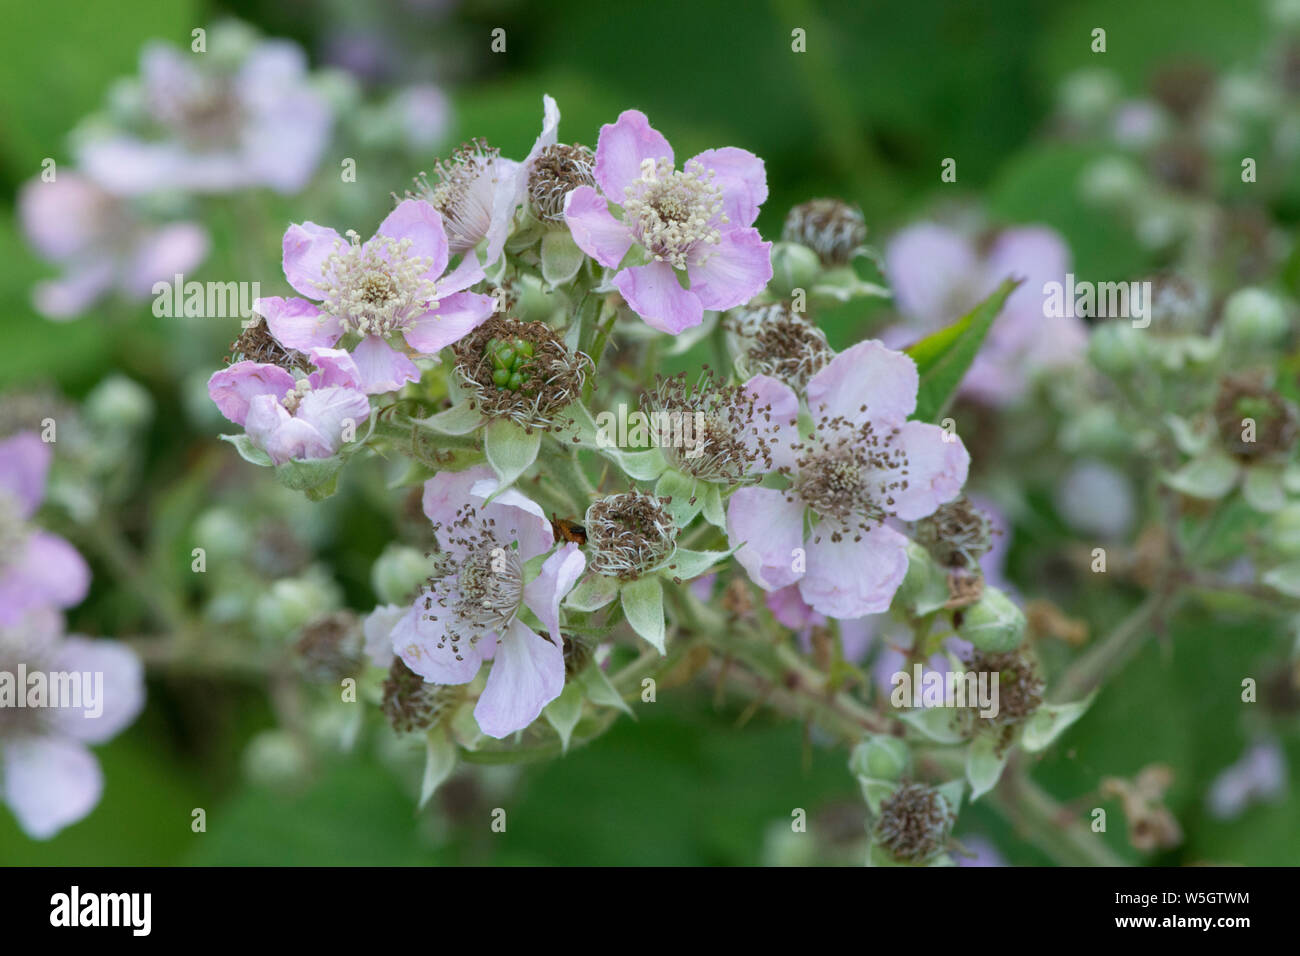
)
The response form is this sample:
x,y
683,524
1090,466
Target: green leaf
x,y
685,503
937,723
510,449
640,465
943,358
643,603
439,762
460,419
316,476
248,451
713,511
592,593
1285,578
1210,476
984,764
600,691
1050,721
1262,488
687,564
561,257
565,711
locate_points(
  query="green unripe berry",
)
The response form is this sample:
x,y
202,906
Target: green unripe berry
x,y
993,623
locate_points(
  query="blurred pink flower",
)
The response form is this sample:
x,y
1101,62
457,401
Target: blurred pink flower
x,y
100,244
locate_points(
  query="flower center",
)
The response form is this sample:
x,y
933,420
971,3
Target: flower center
x,y
849,474
378,288
557,171
702,429
520,371
774,340
913,823
674,213
464,192
629,534
480,589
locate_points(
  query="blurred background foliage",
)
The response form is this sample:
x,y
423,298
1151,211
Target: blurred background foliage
x,y
884,93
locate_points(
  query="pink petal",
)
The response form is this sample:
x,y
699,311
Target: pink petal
x,y
653,292
867,382
466,273
847,579
50,783
455,317
595,231
418,221
424,647
936,469
447,492
163,254
788,606
621,148
305,249
382,368
24,467
776,411
233,388
514,517
122,690
742,178
298,324
47,572
771,529
378,629
732,272
527,674
335,367
72,294
331,410
560,572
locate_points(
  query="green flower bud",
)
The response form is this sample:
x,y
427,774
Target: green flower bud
x,y
1113,181
1117,348
399,572
925,587
1283,532
880,757
274,758
223,534
793,267
993,623
1254,317
118,402
292,602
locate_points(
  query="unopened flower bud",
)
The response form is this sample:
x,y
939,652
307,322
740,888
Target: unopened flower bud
x,y
1117,348
880,757
399,572
291,602
1254,317
793,267
993,623
118,402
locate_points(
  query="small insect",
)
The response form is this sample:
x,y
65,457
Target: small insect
x,y
567,530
